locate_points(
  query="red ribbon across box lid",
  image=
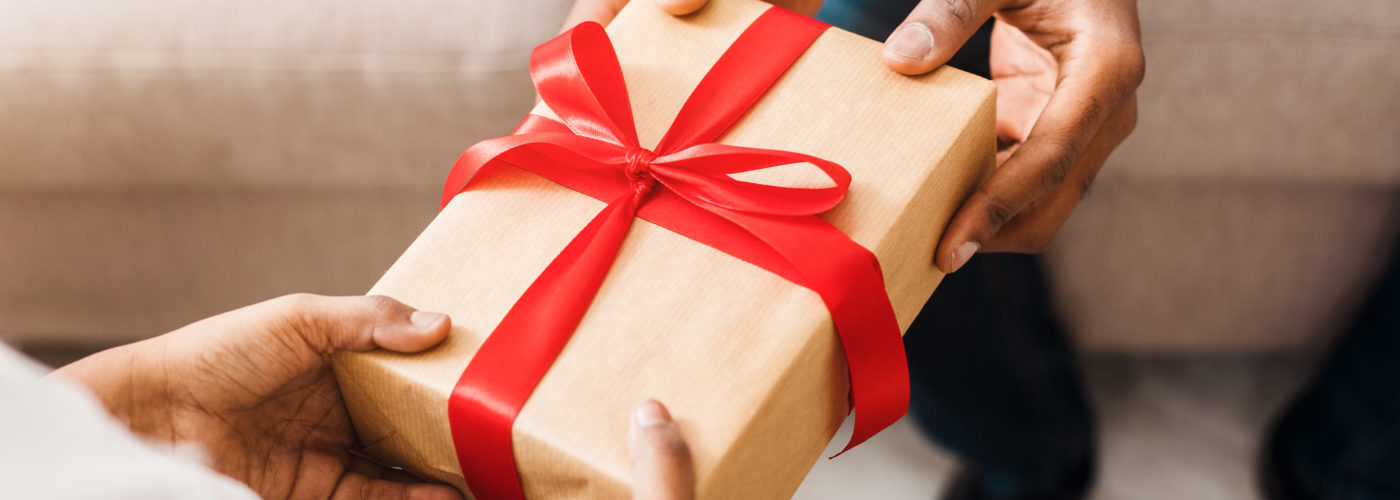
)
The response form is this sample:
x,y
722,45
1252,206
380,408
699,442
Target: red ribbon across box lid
x,y
684,185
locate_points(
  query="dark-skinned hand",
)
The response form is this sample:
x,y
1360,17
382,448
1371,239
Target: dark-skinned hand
x,y
1067,73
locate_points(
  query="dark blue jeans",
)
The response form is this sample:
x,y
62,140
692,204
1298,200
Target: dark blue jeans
x,y
995,381
1341,438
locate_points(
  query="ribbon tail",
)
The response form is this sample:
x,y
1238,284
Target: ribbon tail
x,y
510,363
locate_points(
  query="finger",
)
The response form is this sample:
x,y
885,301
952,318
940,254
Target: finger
x,y
661,464
354,486
365,467
1034,228
364,323
603,11
400,476
363,464
1095,78
681,7
933,32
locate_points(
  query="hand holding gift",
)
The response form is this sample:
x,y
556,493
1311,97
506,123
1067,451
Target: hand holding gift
x,y
253,387
1066,73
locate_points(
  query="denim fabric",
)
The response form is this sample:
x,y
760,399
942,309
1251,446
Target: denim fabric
x,y
1341,439
994,379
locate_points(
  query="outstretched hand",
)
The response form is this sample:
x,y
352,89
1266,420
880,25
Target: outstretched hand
x,y
1067,74
254,388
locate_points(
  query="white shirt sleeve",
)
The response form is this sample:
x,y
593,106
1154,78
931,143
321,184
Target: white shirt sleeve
x,y
58,442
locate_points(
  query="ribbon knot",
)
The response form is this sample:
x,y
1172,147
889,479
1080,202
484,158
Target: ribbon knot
x,y
638,170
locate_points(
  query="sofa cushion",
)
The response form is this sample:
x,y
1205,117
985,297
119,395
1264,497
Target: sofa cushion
x,y
320,93
1287,90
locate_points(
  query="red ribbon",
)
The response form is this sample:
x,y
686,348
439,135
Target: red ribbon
x,y
685,186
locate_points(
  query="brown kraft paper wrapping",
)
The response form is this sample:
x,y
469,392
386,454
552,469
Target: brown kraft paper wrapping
x,y
748,363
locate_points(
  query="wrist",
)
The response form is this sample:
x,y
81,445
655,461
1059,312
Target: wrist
x,y
130,385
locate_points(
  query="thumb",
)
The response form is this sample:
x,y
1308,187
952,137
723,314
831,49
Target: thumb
x,y
661,465
933,32
363,323
603,11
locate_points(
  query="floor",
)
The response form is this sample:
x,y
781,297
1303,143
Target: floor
x,y
1172,428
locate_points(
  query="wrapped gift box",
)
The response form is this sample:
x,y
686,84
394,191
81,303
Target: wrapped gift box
x,y
748,363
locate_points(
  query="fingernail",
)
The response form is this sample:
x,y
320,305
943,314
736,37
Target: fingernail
x,y
914,41
424,319
962,253
651,414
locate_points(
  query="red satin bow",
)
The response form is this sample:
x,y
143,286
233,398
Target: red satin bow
x,y
685,186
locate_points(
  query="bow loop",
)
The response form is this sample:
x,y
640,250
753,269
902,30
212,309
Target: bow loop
x,y
579,78
701,175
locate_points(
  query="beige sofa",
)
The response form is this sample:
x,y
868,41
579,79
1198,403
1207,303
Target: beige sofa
x,y
163,160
